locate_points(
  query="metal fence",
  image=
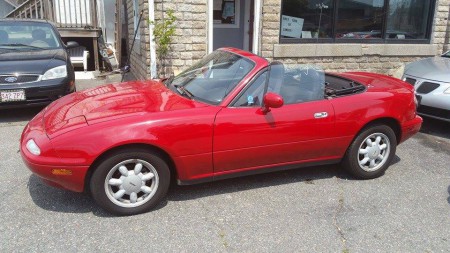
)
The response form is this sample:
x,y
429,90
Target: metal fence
x,y
64,13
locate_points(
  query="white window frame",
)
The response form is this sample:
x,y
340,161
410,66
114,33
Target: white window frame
x,y
256,26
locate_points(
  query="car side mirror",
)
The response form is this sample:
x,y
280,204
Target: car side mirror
x,y
72,44
271,100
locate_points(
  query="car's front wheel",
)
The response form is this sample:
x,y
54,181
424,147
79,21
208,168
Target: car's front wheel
x,y
371,153
130,182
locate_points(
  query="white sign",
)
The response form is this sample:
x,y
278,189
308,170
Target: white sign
x,y
12,95
306,35
291,26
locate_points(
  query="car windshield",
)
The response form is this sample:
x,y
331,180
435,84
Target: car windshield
x,y
212,78
446,54
26,36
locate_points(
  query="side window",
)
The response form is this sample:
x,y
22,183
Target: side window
x,y
252,96
296,84
302,85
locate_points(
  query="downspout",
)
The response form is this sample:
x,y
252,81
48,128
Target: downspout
x,y
257,27
151,15
210,26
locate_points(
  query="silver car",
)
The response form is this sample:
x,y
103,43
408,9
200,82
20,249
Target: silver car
x,y
431,79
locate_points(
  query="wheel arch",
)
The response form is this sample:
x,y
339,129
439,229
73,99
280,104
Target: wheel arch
x,y
144,146
391,122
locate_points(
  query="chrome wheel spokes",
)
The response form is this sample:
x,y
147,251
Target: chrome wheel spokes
x,y
373,152
131,183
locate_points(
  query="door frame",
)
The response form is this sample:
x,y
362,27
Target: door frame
x,y
246,25
256,26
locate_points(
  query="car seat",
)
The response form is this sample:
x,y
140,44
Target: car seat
x,y
312,85
4,37
305,85
39,38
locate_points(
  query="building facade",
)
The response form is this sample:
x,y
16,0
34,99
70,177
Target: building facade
x,y
338,35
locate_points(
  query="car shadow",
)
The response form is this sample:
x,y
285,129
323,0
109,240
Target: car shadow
x,y
58,200
448,190
435,127
19,114
63,201
307,175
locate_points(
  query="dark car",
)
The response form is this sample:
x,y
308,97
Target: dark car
x,y
35,67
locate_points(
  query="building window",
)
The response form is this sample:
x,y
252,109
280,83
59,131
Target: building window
x,y
136,14
363,21
226,13
360,19
408,19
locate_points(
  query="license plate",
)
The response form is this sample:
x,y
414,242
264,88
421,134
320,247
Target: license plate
x,y
12,95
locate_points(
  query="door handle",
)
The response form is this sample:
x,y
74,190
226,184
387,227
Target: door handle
x,y
319,115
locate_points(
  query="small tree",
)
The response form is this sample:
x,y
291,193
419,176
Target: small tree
x,y
163,32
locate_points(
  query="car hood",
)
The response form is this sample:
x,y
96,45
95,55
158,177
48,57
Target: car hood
x,y
112,101
30,62
434,68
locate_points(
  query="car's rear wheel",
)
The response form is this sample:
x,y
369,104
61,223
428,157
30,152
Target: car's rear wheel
x,y
371,153
130,182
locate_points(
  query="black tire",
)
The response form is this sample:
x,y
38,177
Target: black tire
x,y
352,158
151,163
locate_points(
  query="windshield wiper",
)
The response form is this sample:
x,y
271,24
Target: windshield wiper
x,y
7,48
169,81
20,45
184,91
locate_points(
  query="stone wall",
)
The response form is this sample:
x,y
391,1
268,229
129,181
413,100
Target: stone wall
x,y
441,29
140,56
190,40
385,58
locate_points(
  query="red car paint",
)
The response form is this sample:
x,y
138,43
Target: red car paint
x,y
206,141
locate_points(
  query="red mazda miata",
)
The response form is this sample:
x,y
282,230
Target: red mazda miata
x,y
230,114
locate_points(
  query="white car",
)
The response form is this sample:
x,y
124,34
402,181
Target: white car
x,y
431,80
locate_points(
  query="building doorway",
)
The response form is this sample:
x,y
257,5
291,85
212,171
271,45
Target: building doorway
x,y
233,24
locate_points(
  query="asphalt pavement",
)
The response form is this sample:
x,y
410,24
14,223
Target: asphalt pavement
x,y
317,209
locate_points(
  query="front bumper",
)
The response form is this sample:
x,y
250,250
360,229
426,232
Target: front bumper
x,y
435,103
48,165
50,174
40,92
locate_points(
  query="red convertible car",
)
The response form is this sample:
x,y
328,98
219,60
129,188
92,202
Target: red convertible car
x,y
232,113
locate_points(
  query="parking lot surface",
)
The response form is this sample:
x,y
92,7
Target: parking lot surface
x,y
317,209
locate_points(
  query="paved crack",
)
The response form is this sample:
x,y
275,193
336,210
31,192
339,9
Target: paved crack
x,y
335,221
221,232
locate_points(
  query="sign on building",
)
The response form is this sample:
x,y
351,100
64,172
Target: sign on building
x,y
291,26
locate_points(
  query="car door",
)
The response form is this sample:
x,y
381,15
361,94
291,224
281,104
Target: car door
x,y
245,138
